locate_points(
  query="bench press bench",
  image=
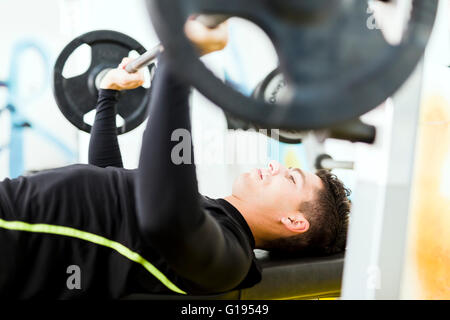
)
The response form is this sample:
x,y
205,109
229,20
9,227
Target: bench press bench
x,y
282,278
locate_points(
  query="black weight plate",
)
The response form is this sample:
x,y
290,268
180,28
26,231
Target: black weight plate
x,y
78,95
337,67
273,90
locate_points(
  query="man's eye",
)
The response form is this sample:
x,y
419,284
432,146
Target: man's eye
x,y
292,178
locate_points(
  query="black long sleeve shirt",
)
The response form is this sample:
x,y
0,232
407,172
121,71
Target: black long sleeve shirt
x,y
127,231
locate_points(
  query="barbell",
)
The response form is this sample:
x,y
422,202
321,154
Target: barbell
x,y
335,67
77,96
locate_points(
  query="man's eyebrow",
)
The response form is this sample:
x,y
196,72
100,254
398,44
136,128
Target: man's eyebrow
x,y
300,172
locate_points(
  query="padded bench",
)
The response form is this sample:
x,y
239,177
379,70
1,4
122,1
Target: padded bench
x,y
282,278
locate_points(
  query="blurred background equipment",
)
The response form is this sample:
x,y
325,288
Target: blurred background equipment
x,y
273,90
16,104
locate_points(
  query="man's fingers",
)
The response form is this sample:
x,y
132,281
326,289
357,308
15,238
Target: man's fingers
x,y
125,62
201,35
219,34
195,30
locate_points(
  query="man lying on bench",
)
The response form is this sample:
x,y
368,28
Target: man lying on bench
x,y
102,231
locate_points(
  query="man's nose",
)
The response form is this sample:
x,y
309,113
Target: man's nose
x,y
274,167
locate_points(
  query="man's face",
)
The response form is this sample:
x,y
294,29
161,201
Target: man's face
x,y
277,189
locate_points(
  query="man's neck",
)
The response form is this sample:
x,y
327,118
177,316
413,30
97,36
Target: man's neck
x,y
256,225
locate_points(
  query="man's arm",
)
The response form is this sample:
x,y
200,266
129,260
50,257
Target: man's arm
x,y
104,150
171,220
169,214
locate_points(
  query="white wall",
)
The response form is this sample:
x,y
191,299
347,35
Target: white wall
x,y
38,21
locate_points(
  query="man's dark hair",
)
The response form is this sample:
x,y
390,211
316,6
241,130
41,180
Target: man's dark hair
x,y
328,221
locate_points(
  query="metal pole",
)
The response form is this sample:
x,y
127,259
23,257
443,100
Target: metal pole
x,y
331,164
378,223
145,59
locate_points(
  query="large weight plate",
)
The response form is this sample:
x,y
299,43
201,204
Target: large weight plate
x,y
78,95
338,67
273,89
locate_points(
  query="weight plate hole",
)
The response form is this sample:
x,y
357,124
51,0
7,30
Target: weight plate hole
x,y
78,62
133,54
391,18
260,57
147,78
89,118
119,121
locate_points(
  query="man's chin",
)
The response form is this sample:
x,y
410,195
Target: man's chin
x,y
249,178
241,184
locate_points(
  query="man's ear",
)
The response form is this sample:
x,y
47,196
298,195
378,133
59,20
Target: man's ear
x,y
296,223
